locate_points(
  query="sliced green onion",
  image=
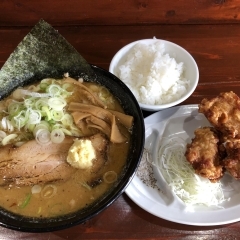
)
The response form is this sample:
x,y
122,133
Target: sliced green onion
x,y
104,94
8,138
49,191
66,132
47,106
67,120
2,135
57,115
40,103
57,91
57,103
29,127
29,102
57,136
43,136
84,184
6,124
43,86
14,108
54,90
42,125
34,116
24,136
36,189
52,122
60,126
48,81
39,210
110,177
57,126
26,201
20,120
76,131
35,94
46,113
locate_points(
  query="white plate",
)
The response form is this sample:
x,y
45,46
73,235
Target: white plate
x,y
180,121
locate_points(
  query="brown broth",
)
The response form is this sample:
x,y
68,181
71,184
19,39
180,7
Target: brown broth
x,y
73,194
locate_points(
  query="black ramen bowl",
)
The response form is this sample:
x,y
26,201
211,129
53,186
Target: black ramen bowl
x,y
131,107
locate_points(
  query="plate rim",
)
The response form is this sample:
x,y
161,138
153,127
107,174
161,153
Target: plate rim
x,y
133,189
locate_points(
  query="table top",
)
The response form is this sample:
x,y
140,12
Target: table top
x,y
216,49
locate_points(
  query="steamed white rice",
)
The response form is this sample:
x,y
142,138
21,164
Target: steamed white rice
x,y
152,75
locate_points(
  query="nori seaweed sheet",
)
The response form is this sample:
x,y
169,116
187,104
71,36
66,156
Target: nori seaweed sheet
x,y
42,53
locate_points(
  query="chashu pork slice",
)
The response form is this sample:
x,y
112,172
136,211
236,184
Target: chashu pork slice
x,y
33,163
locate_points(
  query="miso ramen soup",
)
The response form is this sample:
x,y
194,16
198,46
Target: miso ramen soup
x,y
63,145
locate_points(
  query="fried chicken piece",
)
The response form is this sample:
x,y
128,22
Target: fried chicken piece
x,y
223,112
232,161
205,153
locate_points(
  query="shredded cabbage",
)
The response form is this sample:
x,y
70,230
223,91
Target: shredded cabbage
x,y
191,188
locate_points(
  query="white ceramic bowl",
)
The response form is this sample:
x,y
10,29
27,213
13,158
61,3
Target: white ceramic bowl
x,y
180,54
